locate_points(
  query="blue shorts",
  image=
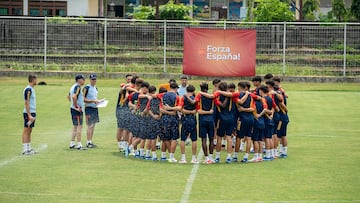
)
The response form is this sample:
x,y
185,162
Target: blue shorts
x,y
282,128
269,131
135,126
225,128
155,129
206,129
171,127
144,122
258,134
76,117
26,120
188,127
246,127
92,115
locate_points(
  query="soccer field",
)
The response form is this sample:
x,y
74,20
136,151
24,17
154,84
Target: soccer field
x,y
323,163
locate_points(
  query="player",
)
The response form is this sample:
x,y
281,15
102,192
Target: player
x,y
269,124
257,83
188,127
170,119
144,118
246,121
76,109
90,93
225,122
29,115
216,83
205,109
268,77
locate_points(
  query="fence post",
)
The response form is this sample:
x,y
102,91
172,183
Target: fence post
x,y
284,50
344,71
165,46
45,41
105,43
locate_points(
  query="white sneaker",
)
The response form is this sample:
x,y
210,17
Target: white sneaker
x,y
253,160
182,162
194,161
173,160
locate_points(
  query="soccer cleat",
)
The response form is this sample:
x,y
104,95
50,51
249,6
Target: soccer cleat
x,y
154,159
228,161
217,160
172,160
209,161
260,159
72,146
182,162
253,160
163,159
149,158
80,148
234,159
283,156
158,146
29,152
268,159
244,160
127,152
194,161
141,157
90,145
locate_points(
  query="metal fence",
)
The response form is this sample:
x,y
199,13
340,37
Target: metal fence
x,y
119,45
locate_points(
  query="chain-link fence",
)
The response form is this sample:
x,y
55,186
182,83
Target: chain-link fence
x,y
118,45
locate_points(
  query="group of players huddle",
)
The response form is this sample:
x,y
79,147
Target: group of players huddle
x,y
247,120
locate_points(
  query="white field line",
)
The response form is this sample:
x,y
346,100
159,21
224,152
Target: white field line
x,y
191,179
168,200
42,147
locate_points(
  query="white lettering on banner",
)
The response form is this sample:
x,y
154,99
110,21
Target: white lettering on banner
x,y
221,54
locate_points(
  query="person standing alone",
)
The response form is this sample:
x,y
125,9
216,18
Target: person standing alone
x,y
29,115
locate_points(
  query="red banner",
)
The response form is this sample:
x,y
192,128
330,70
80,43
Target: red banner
x,y
226,53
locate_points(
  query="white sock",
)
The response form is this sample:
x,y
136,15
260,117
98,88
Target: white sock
x,y
79,144
147,153
120,144
125,144
274,152
171,155
260,155
246,155
217,154
131,147
158,144
89,141
210,156
163,154
206,158
256,155
72,143
193,157
235,154
183,157
29,146
281,148
154,154
229,156
285,150
141,151
242,146
268,155
25,147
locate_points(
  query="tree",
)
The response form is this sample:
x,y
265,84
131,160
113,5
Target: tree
x,y
272,11
355,9
309,7
338,9
171,11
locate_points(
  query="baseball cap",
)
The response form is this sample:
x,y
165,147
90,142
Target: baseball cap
x,y
92,76
79,76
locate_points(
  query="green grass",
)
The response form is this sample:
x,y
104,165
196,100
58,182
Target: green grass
x,y
323,163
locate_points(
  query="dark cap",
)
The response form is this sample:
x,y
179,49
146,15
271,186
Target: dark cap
x,y
92,76
79,76
172,80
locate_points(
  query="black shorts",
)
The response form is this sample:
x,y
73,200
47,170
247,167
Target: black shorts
x,y
206,129
26,120
92,115
258,134
188,127
76,117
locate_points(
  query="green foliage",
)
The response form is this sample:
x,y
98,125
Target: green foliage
x,y
355,9
272,11
339,10
171,11
67,20
144,12
309,7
